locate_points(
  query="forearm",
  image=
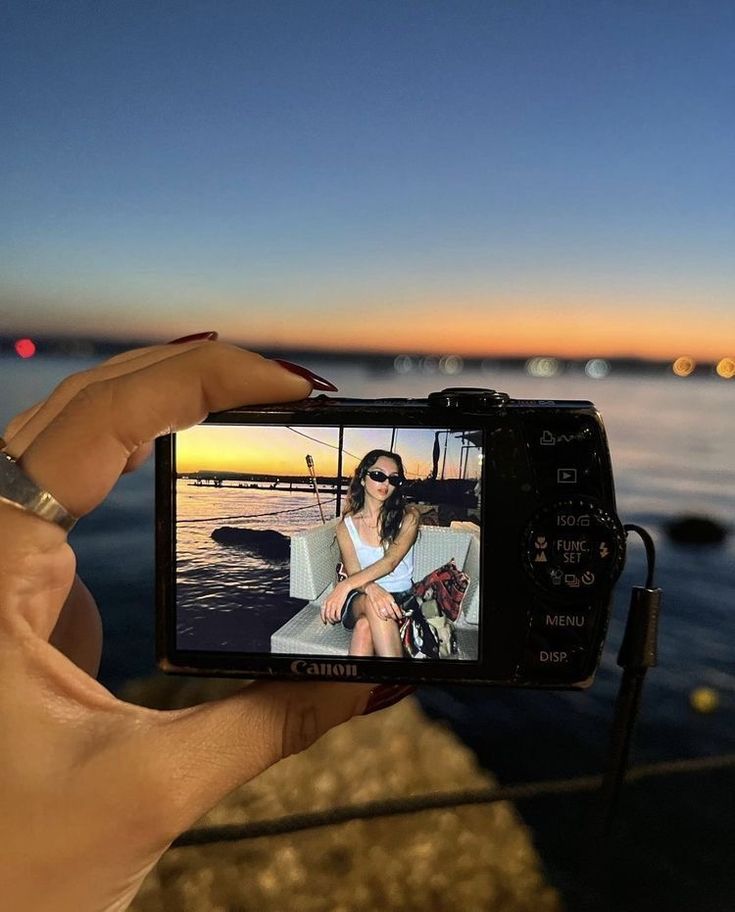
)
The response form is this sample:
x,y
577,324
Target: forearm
x,y
371,574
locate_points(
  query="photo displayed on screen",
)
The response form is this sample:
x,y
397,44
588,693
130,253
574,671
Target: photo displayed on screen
x,y
329,541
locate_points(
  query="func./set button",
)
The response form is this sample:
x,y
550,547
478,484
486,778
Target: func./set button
x,y
573,548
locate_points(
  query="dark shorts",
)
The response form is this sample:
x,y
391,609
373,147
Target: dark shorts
x,y
349,619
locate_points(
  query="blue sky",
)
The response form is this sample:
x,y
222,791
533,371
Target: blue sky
x,y
562,172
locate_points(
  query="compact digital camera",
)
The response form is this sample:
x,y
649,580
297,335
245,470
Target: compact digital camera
x,y
515,553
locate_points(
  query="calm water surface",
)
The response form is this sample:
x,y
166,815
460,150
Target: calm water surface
x,y
230,598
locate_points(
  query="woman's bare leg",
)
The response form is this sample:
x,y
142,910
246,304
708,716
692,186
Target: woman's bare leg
x,y
361,643
384,637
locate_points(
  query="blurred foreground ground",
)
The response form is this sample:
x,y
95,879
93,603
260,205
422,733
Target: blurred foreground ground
x,y
474,859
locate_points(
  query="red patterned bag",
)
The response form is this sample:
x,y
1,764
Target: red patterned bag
x,y
448,586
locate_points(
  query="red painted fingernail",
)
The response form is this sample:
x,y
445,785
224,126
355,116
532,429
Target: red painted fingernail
x,y
386,695
196,337
316,381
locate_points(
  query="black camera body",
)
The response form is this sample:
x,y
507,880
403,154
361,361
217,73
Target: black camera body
x,y
516,498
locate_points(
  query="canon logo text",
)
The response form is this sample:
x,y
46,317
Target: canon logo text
x,y
332,669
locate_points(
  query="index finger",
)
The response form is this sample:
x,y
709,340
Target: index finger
x,y
79,456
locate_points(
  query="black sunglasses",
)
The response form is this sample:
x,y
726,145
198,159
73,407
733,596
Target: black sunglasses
x,y
395,480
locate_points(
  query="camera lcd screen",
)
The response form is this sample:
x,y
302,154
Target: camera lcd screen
x,y
276,526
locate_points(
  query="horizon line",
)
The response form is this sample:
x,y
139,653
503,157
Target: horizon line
x,y
85,345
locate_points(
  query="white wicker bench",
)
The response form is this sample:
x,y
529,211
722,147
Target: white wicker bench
x,y
314,558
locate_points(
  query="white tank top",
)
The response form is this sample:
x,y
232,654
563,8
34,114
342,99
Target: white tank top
x,y
400,579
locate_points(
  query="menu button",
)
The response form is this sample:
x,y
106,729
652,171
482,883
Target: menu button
x,y
565,620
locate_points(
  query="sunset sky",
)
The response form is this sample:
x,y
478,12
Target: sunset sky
x,y
479,178
282,450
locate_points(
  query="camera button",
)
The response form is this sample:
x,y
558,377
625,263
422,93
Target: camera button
x,y
555,657
573,548
577,620
471,397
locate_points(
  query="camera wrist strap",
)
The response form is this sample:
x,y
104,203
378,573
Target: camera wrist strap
x,y
638,652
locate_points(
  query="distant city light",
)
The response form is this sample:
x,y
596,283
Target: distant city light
x,y
25,348
543,367
597,368
684,366
403,364
726,368
451,364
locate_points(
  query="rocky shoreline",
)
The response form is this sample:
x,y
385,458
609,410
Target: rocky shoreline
x,y
476,858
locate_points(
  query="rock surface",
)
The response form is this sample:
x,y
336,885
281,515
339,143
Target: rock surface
x,y
473,859
696,530
264,542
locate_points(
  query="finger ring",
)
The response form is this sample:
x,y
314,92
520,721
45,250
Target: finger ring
x,y
18,490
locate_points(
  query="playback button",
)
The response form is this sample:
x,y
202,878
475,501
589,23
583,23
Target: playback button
x,y
567,476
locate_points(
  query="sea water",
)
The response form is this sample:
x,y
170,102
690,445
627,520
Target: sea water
x,y
672,442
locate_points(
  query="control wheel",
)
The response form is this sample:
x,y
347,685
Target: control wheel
x,y
573,549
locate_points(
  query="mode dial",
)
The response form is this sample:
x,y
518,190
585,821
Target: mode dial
x,y
470,397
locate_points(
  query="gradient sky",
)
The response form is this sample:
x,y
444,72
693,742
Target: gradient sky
x,y
472,177
282,450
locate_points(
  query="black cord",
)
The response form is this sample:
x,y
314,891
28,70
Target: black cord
x,y
638,652
650,550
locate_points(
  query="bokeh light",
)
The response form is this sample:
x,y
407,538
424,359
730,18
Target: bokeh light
x,y
597,368
726,368
403,364
25,348
684,366
451,364
543,367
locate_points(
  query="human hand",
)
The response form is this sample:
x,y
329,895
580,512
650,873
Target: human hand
x,y
331,610
382,602
93,790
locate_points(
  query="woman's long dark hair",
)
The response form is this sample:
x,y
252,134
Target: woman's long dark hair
x,y
393,509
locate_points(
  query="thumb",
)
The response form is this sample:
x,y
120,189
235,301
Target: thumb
x,y
201,754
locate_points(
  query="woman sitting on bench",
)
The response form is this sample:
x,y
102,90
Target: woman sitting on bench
x,y
376,535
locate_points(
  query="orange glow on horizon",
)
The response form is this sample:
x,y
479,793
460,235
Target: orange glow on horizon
x,y
558,324
521,329
282,451
221,449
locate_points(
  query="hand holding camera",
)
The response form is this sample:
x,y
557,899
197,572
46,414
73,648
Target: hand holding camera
x,y
94,789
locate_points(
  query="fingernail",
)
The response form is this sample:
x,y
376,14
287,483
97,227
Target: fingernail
x,y
196,337
316,381
386,695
